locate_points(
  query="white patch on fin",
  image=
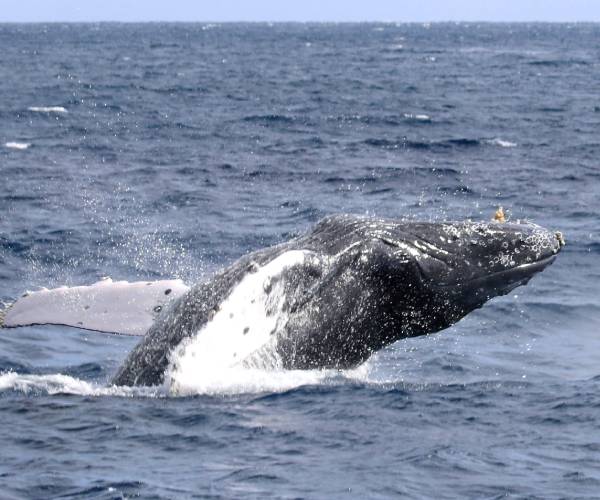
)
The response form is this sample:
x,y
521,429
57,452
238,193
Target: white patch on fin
x,y
106,306
247,321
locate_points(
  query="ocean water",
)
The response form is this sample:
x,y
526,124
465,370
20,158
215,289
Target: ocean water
x,y
169,150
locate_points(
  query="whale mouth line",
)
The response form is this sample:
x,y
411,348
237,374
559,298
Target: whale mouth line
x,y
527,270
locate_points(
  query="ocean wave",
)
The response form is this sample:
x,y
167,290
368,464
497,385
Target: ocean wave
x,y
382,120
404,143
164,45
417,117
441,145
501,142
267,119
17,145
47,109
559,62
551,109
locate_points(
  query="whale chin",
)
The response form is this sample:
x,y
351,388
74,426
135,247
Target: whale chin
x,y
476,292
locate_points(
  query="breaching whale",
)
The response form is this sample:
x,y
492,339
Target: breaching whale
x,y
327,299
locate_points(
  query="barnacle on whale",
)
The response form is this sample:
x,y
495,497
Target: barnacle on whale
x,y
499,215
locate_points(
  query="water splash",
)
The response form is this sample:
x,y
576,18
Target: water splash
x,y
53,384
225,382
230,381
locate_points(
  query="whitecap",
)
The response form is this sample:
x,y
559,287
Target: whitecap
x,y
47,109
417,117
502,143
17,145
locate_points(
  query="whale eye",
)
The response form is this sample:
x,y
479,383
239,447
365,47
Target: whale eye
x,y
168,291
157,309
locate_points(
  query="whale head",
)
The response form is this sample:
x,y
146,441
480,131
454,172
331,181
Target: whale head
x,y
392,279
464,264
443,271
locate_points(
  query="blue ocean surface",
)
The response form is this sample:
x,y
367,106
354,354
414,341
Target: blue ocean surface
x,y
153,151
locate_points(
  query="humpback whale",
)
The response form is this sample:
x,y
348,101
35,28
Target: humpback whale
x,y
327,299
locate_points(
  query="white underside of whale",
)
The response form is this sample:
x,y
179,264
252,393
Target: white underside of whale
x,y
246,323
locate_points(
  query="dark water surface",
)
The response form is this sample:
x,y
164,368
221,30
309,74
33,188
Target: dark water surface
x,y
171,149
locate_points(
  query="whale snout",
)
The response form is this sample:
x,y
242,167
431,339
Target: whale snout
x,y
529,245
476,261
504,257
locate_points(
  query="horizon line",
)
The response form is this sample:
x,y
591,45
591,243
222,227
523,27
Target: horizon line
x,y
369,21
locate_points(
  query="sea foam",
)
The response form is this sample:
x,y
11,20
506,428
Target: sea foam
x,y
17,145
47,109
417,117
57,383
226,382
502,143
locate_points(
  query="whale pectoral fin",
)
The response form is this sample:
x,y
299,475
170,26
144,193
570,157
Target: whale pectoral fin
x,y
106,306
